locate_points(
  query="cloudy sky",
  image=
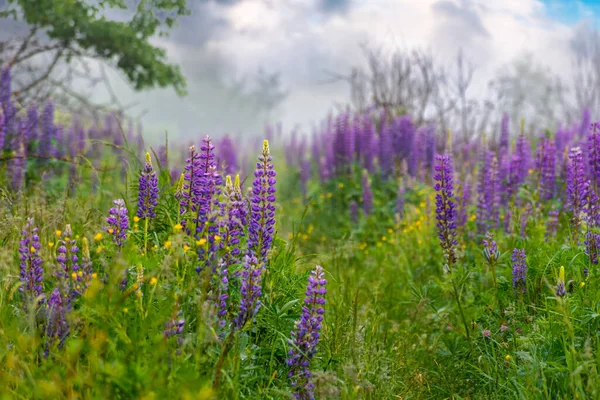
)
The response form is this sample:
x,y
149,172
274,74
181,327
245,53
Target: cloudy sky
x,y
224,40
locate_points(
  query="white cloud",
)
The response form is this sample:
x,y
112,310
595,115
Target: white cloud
x,y
296,39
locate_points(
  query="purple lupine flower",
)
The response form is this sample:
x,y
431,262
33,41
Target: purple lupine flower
x,y
118,222
57,326
315,146
386,162
174,327
148,191
30,262
6,106
250,290
519,270
67,258
594,154
367,139
523,152
32,125
552,224
367,194
400,194
577,188
403,137
592,237
228,155
504,134
445,207
429,150
490,248
465,201
16,166
344,144
483,182
191,183
205,201
304,176
353,212
306,334
231,231
262,213
163,157
586,120
547,170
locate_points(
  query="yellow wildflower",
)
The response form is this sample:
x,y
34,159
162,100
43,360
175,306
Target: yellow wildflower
x,y
111,231
32,249
507,358
125,309
99,249
304,237
153,281
136,219
58,232
217,238
138,293
383,238
51,244
74,275
94,275
98,237
582,284
167,244
177,227
390,230
186,247
201,242
341,185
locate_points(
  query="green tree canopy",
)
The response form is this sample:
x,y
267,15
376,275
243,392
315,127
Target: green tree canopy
x,y
79,28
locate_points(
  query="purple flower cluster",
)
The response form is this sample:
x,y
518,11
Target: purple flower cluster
x,y
148,191
32,272
490,248
67,258
546,161
262,212
445,207
250,290
306,334
118,222
519,270
577,187
57,326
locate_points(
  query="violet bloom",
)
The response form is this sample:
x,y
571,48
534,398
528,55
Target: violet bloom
x,y
594,154
262,215
367,139
16,166
205,201
30,262
577,188
118,222
57,327
306,334
386,162
547,170
250,290
445,207
231,232
67,257
519,270
367,194
174,328
592,237
228,155
490,248
191,183
148,191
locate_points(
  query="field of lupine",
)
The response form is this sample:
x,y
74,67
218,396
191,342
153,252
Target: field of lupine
x,y
374,259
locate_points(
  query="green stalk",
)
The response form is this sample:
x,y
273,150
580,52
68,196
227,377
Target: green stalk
x,y
146,236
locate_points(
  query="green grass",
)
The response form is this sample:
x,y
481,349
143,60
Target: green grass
x,y
392,328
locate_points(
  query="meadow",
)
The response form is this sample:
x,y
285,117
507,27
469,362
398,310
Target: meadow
x,y
374,259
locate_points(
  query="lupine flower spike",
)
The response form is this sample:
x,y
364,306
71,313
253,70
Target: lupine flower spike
x,y
147,197
306,334
31,263
560,285
118,222
445,208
